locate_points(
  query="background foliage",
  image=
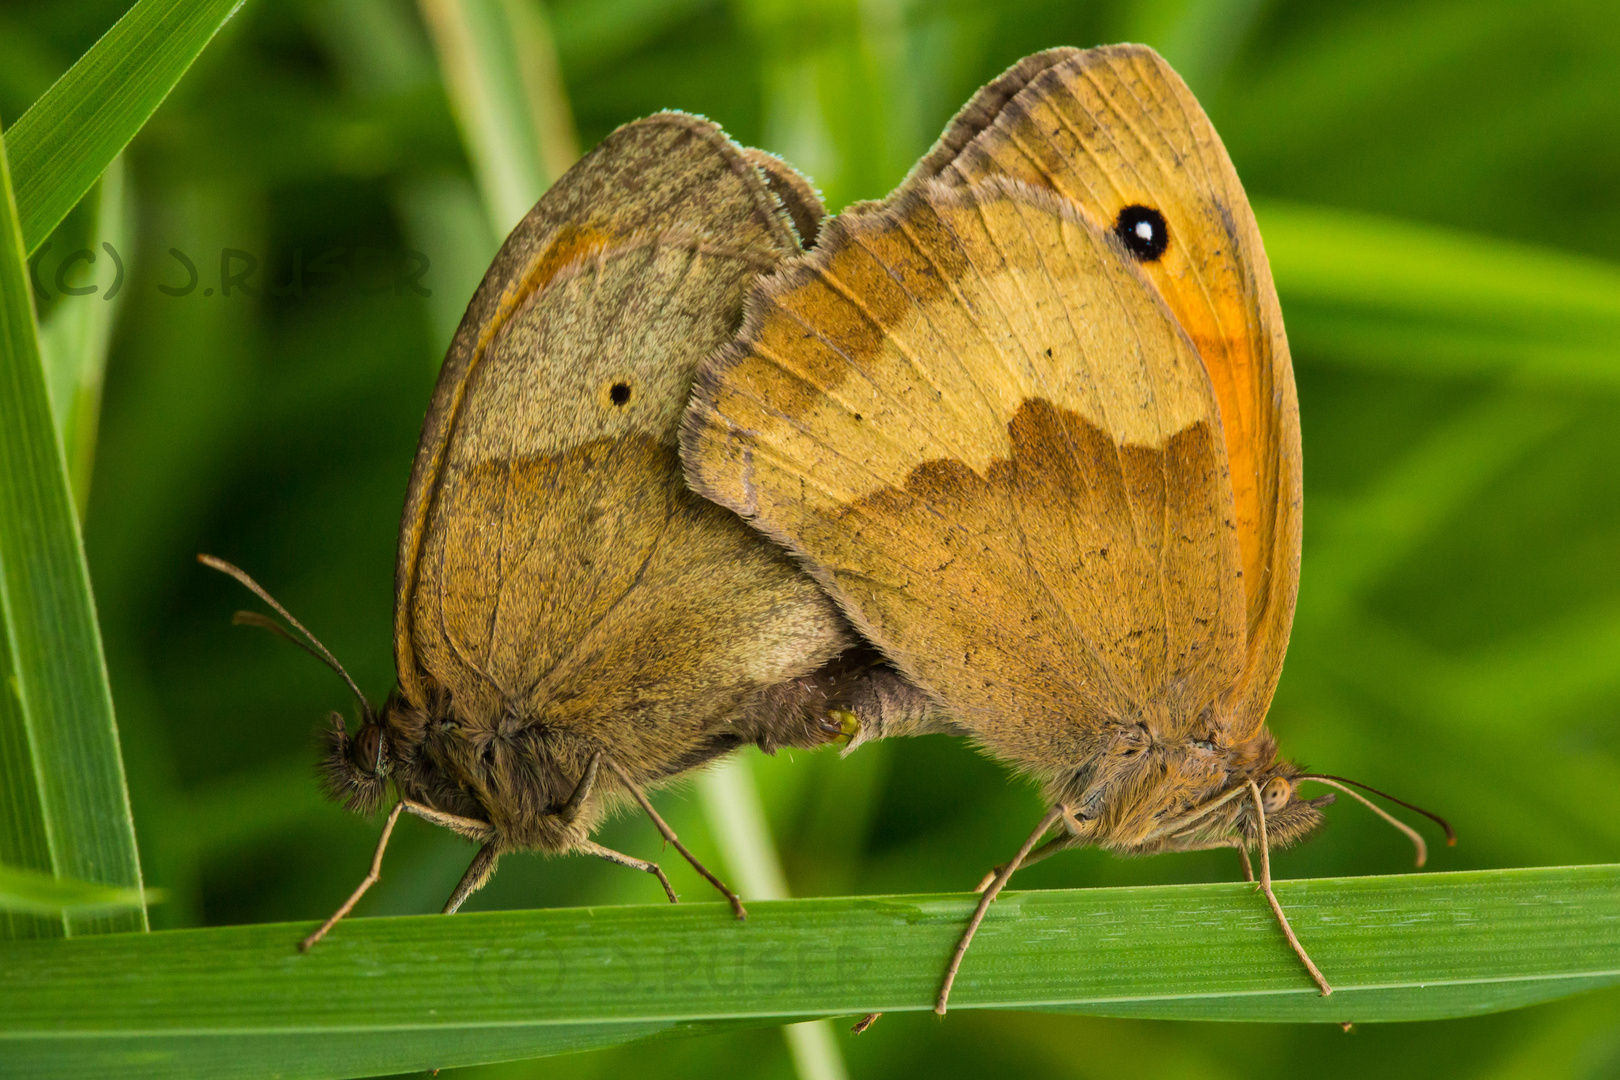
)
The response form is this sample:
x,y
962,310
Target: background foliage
x,y
1459,615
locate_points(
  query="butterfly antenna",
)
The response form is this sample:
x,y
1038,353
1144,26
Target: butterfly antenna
x,y
1411,833
253,618
1451,835
265,622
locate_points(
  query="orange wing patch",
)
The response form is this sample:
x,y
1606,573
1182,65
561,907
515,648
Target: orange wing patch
x,y
1113,130
569,245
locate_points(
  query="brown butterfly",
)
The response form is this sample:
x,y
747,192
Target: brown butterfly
x,y
1031,421
572,625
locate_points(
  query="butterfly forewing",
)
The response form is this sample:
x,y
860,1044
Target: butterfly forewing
x,y
560,585
1116,132
977,423
669,171
563,545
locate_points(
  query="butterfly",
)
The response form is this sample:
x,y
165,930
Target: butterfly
x,y
1031,421
572,625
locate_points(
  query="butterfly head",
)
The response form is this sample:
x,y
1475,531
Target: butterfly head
x,y
1288,816
1145,794
354,769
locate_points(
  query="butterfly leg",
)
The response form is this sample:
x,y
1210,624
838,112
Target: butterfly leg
x,y
582,790
1243,857
985,900
621,859
1271,897
1046,850
366,883
669,834
1235,845
466,826
476,877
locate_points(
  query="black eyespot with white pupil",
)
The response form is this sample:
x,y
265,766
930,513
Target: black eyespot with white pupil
x,y
1143,232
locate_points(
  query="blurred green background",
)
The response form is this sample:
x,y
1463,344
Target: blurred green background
x,y
1439,185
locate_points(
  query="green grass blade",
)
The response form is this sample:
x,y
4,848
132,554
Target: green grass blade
x,y
500,70
1199,38
73,340
42,894
1372,290
1357,542
593,34
840,93
71,134
66,806
730,797
387,995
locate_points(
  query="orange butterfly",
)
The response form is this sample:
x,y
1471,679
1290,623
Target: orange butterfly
x,y
1031,421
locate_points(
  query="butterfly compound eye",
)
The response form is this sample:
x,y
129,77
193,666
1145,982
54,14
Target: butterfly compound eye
x,y
1143,232
1275,795
367,753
